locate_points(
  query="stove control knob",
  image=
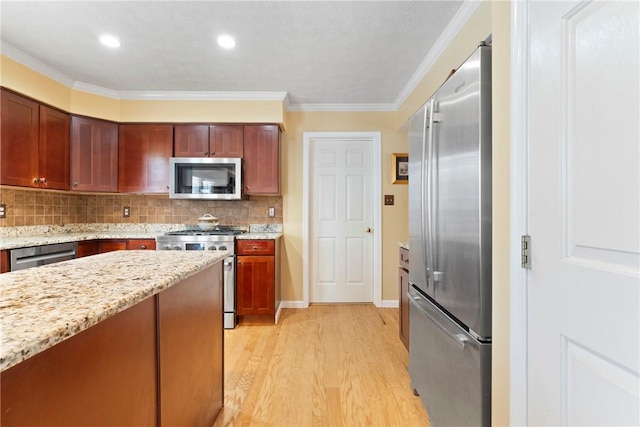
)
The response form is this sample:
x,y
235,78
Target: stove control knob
x,y
222,248
212,248
177,248
166,248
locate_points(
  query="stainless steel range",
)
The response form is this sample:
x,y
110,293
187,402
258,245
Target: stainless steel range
x,y
221,239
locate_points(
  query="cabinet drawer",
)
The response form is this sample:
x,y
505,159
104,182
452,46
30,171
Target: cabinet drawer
x,y
256,247
142,244
404,258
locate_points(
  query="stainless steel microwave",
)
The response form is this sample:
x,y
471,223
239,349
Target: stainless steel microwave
x,y
205,178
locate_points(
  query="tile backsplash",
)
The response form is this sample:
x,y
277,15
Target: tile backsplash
x,y
42,207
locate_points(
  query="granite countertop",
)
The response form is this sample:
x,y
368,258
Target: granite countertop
x,y
23,237
258,236
42,306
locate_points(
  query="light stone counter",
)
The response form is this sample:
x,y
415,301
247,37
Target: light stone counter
x,y
42,306
259,236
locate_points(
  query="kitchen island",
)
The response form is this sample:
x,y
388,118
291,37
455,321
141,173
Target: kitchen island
x,y
121,338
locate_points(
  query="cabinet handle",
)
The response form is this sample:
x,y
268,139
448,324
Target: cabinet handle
x,y
143,246
206,153
213,152
43,180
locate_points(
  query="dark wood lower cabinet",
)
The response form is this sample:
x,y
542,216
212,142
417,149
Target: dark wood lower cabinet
x,y
4,261
190,330
104,376
88,248
158,363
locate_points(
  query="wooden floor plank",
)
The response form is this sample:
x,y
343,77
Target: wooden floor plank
x,y
327,365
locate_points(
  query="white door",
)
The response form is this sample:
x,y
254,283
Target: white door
x,y
583,300
341,220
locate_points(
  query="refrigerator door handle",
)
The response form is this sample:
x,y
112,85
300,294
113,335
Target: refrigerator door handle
x,y
429,198
423,166
459,338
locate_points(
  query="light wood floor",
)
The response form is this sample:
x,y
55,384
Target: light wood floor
x,y
328,365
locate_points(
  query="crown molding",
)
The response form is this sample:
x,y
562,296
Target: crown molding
x,y
457,23
341,107
203,95
30,62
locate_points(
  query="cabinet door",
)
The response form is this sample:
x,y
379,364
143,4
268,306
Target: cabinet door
x,y
255,285
191,141
261,159
403,283
19,141
94,155
88,248
226,141
143,158
53,160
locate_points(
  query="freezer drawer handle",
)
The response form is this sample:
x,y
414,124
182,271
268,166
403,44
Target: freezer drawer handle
x,y
460,339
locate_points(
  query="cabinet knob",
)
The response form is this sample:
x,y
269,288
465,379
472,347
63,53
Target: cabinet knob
x,y
206,153
43,180
36,180
75,183
367,230
255,248
143,246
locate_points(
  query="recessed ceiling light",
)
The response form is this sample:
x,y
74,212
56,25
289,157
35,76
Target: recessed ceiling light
x,y
226,41
110,41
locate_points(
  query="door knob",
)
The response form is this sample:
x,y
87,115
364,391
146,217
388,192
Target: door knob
x,y
367,230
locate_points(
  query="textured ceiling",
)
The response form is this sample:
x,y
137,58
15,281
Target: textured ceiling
x,y
320,52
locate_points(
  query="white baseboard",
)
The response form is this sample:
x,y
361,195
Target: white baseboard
x,y
293,304
389,303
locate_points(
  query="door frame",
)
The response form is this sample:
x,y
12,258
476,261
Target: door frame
x,y
520,211
376,145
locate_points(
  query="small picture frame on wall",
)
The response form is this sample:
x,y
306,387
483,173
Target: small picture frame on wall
x,y
400,168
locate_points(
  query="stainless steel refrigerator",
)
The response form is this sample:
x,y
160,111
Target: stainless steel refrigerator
x,y
450,247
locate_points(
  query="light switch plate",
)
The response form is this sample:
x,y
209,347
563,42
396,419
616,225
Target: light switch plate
x,y
388,199
272,212
3,211
126,212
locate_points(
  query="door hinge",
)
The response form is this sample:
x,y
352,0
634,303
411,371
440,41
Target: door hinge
x,y
525,252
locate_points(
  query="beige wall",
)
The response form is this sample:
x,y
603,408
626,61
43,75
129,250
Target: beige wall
x,y
501,82
394,218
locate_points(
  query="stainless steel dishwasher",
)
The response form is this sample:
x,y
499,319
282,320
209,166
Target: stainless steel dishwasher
x,y
35,256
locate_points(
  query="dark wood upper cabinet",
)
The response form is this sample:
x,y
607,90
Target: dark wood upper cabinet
x,y
191,141
208,141
53,163
35,144
20,128
94,155
262,160
226,141
143,158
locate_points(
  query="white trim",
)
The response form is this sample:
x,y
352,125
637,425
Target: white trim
x,y
519,330
342,107
389,303
30,62
203,96
293,304
457,23
376,139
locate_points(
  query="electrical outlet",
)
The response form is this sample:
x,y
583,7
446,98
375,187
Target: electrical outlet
x,y
388,199
272,212
3,211
126,212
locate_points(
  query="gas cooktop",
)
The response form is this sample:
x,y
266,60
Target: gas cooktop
x,y
222,230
